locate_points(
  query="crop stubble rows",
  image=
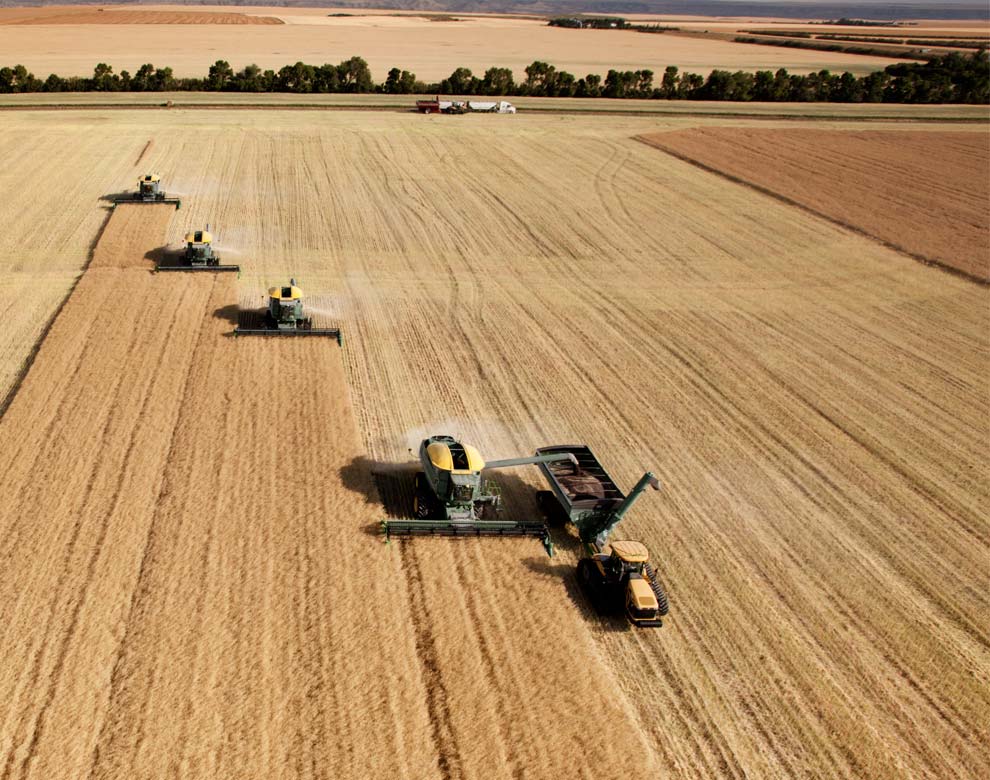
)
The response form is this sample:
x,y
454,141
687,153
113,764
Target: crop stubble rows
x,y
815,404
203,590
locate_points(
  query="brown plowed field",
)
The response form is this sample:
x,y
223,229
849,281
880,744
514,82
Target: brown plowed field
x,y
814,402
925,193
115,16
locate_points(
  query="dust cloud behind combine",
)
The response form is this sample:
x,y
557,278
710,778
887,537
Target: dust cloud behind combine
x,y
814,403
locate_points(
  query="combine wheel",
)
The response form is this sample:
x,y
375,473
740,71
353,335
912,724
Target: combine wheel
x,y
589,578
550,507
586,575
422,500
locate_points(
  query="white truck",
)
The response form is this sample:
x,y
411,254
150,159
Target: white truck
x,y
438,106
491,106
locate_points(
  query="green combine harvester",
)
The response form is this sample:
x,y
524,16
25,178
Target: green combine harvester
x,y
284,317
453,499
149,191
616,576
198,256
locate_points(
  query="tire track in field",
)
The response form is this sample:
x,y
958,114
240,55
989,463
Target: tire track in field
x,y
437,697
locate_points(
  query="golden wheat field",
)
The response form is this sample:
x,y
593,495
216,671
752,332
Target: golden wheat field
x,y
191,577
70,42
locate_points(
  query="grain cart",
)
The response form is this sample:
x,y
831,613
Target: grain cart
x,y
149,191
616,576
199,255
453,499
284,317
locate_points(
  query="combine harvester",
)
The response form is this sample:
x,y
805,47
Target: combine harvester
x,y
616,577
284,317
453,499
199,255
149,191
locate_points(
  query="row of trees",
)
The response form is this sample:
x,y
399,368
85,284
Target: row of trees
x,y
955,78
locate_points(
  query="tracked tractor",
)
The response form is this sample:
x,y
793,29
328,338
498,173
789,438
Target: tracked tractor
x,y
199,255
149,191
284,316
617,576
452,498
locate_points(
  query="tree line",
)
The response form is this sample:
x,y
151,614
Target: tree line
x,y
954,78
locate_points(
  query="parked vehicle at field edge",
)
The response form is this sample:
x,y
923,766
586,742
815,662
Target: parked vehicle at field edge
x,y
438,106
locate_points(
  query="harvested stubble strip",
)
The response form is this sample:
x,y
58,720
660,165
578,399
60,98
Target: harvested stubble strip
x,y
193,577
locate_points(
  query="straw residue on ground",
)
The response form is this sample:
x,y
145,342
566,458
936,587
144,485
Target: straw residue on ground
x,y
814,403
193,580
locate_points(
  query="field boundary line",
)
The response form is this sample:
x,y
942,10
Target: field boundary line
x,y
551,111
924,260
22,373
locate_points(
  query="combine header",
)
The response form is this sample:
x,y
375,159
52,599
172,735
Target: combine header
x,y
199,255
284,317
618,576
453,499
149,191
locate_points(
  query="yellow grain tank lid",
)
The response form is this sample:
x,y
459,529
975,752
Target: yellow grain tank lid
x,y
443,459
631,552
150,177
288,293
199,237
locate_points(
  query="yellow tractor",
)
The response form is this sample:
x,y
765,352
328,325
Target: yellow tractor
x,y
616,575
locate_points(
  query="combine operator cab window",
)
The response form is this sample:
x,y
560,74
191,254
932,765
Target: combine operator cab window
x,y
463,493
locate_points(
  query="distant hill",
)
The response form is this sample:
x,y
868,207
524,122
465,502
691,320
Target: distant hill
x,y
815,9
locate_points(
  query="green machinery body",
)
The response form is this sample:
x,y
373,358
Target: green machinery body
x,y
284,317
452,498
149,191
198,255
